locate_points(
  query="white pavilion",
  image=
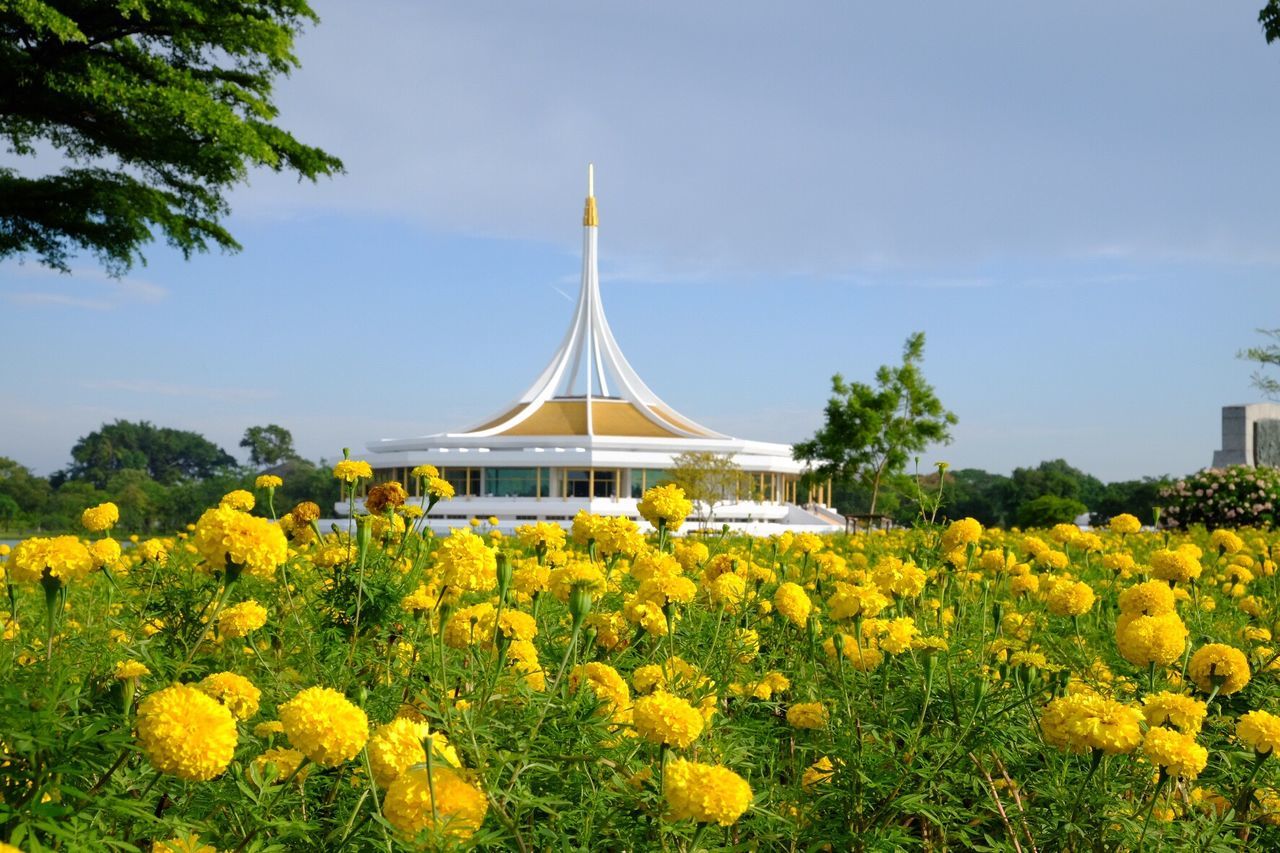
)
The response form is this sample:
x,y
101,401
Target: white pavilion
x,y
589,434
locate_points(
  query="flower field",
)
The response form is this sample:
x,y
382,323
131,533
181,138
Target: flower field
x,y
257,683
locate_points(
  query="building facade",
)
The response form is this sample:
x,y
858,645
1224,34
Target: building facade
x,y
589,434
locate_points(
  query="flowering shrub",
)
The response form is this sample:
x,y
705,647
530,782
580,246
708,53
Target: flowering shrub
x,y
1238,496
925,689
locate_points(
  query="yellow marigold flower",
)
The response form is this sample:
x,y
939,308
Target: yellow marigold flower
x,y
852,600
440,489
584,527
398,745
427,471
465,562
667,589
612,631
1179,565
792,602
105,552
421,600
665,505
609,688
1125,523
727,591
350,470
225,535
649,563
1220,666
818,773
234,691
577,573
130,669
102,517
618,535
62,557
707,793
285,760
271,727
385,496
241,619
238,499
647,615
305,513
542,535
1150,598
324,725
1144,640
1084,721
1172,709
898,635
691,554
808,715
1025,584
1072,598
470,626
1121,564
457,807
1177,753
1226,542
185,733
267,481
961,533
894,577
515,625
1259,730
665,719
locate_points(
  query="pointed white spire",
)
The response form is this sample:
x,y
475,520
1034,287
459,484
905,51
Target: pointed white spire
x,y
589,366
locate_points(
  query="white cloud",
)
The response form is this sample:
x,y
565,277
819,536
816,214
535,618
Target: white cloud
x,y
83,287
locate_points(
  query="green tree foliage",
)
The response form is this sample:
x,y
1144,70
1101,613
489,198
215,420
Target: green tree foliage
x,y
1054,477
268,445
167,455
160,107
708,479
1265,356
1136,497
872,432
1269,17
31,493
974,493
1048,510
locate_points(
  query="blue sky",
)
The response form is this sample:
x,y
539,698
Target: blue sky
x,y
1075,203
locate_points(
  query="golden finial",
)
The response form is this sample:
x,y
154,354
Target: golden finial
x,y
589,216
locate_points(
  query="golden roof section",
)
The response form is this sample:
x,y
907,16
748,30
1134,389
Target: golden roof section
x,y
608,417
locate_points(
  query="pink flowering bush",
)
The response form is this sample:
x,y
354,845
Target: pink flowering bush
x,y
1238,496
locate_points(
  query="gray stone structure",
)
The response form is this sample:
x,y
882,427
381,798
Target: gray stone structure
x,y
1250,435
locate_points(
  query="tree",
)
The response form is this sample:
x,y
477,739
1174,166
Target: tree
x,y
871,433
268,445
160,107
1048,510
1057,478
708,479
167,455
1265,356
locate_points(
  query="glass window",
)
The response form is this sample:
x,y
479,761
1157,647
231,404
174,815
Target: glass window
x,y
577,483
514,482
606,485
646,478
465,481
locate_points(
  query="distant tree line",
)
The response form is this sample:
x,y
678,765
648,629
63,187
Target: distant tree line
x,y
1047,494
160,478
